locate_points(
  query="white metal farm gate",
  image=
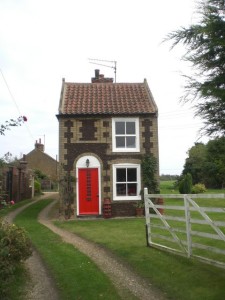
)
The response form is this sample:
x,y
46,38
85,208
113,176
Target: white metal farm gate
x,y
181,225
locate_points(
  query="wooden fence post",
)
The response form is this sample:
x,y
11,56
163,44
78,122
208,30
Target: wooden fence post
x,y
188,225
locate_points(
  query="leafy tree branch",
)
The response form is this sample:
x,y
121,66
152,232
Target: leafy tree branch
x,y
12,123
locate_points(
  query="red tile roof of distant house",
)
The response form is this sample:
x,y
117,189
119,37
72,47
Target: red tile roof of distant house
x,y
106,98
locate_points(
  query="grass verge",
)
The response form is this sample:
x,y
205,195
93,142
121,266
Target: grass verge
x,y
75,275
178,277
6,210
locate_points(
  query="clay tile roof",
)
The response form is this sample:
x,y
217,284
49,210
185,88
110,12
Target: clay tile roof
x,y
106,98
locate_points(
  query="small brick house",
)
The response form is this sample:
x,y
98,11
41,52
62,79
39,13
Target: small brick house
x,y
105,129
37,159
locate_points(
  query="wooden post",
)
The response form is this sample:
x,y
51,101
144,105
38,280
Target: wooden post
x,y
147,218
188,225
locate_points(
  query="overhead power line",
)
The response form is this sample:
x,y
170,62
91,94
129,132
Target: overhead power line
x,y
12,97
15,103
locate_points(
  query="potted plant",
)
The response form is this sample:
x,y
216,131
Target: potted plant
x,y
139,206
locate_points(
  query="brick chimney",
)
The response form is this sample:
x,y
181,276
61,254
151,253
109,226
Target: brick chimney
x,y
99,78
39,145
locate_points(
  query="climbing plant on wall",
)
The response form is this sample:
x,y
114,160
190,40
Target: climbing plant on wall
x,y
149,168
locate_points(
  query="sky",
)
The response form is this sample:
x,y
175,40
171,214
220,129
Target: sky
x,y
43,41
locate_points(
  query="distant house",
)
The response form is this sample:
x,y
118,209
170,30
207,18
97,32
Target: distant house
x,y
105,129
16,181
37,159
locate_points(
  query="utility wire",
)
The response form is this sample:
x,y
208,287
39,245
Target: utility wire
x,y
179,127
14,101
171,114
17,107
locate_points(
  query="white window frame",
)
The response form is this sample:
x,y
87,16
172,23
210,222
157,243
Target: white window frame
x,y
137,147
127,165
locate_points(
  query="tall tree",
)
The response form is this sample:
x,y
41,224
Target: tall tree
x,y
194,163
215,167
206,163
205,45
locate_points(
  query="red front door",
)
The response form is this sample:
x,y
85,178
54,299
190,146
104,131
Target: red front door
x,y
88,191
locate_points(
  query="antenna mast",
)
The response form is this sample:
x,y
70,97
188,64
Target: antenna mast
x,y
96,62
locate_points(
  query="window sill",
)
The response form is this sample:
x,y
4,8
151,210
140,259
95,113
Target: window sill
x,y
123,150
127,198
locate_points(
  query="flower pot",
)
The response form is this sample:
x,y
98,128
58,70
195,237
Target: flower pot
x,y
139,211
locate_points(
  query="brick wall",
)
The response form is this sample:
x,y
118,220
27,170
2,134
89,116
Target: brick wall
x,y
123,209
15,184
93,136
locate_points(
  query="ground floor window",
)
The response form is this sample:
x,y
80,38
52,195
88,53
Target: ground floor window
x,y
126,182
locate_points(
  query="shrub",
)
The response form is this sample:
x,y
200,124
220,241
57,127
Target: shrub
x,y
198,188
15,247
149,167
185,185
37,187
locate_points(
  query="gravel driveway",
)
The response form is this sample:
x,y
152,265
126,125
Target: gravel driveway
x,y
126,281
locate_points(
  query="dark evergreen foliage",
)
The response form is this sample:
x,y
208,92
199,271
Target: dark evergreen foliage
x,y
205,45
185,185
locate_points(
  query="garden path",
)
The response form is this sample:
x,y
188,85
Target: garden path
x,y
125,280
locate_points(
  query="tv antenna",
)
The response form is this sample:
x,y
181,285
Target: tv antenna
x,y
100,62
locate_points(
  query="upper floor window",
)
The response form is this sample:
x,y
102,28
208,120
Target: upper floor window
x,y
125,135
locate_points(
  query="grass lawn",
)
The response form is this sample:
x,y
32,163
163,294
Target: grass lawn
x,y
179,277
10,208
167,187
76,276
